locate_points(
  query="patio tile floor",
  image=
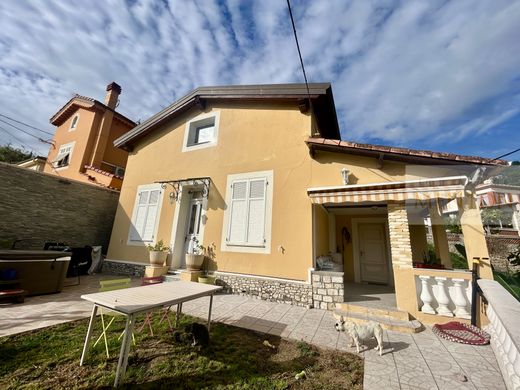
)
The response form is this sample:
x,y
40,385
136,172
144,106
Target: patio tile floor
x,y
409,361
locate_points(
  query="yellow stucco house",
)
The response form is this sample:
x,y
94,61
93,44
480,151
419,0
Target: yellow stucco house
x,y
260,176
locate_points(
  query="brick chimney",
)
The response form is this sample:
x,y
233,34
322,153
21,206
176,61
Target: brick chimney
x,y
113,92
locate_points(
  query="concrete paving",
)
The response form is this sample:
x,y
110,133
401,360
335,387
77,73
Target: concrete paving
x,y
409,361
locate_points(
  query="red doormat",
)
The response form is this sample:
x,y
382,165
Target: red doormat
x,y
461,333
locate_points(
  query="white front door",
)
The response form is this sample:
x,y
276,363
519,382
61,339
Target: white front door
x,y
193,223
373,255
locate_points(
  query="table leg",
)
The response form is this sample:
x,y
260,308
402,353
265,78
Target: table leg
x,y
125,349
209,313
178,316
89,335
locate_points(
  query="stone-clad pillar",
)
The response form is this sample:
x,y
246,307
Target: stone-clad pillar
x,y
401,250
400,244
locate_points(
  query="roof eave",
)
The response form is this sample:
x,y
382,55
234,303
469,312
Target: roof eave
x,y
394,154
289,92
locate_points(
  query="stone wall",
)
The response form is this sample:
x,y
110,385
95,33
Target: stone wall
x,y
327,289
38,207
499,248
269,289
120,268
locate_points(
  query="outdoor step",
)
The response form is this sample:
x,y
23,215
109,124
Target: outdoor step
x,y
373,311
386,322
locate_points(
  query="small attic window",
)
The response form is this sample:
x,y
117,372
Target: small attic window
x,y
74,122
201,132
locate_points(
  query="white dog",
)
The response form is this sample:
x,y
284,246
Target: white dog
x,y
359,332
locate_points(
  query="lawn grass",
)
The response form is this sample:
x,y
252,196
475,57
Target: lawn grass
x,y
235,359
511,282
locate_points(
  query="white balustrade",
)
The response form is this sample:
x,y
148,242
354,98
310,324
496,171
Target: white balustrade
x,y
442,298
459,298
426,297
444,295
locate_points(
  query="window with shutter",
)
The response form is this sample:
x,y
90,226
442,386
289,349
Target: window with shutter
x,y
247,212
145,219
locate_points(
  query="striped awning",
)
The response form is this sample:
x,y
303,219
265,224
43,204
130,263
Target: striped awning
x,y
418,190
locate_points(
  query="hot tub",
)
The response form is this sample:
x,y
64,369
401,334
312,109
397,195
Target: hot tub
x,y
39,271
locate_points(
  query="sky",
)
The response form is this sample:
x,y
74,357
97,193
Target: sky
x,y
437,75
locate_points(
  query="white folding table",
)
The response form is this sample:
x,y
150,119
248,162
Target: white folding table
x,y
135,300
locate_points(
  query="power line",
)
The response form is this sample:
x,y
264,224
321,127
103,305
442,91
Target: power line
x,y
26,132
22,143
25,124
505,155
299,53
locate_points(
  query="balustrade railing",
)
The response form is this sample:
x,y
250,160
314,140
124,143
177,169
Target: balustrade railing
x,y
445,293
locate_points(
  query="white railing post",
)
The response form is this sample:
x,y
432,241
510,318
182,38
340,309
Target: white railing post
x,y
442,299
459,299
426,297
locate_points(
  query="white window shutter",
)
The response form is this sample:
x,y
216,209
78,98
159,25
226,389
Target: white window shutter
x,y
149,226
256,212
238,213
145,218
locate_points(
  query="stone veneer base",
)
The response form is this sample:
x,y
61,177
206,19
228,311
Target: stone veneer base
x,y
325,291
269,289
121,268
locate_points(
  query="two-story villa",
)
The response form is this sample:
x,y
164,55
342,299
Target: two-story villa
x,y
260,176
83,142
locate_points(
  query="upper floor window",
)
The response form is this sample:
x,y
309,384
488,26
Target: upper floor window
x,y
74,122
64,155
201,132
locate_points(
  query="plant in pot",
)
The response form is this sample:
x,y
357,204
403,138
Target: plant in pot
x,y
195,255
158,253
430,259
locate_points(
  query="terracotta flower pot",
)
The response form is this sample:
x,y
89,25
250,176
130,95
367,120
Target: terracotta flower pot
x,y
194,262
158,258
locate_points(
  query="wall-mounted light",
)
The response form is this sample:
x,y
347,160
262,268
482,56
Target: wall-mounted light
x,y
344,174
172,197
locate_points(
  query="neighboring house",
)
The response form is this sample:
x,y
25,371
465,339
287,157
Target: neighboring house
x,y
260,176
83,143
502,197
35,163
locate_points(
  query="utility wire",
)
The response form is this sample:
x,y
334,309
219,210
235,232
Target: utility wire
x,y
26,132
505,155
25,124
22,143
299,53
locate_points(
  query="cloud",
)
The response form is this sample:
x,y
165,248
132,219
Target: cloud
x,y
402,72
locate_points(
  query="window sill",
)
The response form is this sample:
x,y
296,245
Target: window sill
x,y
189,148
246,245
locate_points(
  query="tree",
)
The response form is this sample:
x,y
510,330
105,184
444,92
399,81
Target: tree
x,y
491,217
12,155
510,175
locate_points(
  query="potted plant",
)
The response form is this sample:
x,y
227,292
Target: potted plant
x,y
195,255
158,253
430,260
206,277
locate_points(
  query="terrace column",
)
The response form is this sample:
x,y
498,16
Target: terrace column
x,y
401,250
473,233
440,238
